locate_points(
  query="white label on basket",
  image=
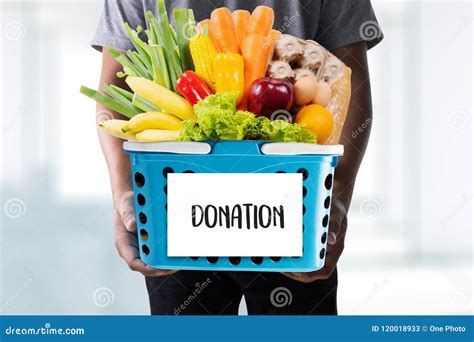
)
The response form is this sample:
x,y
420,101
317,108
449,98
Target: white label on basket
x,y
256,214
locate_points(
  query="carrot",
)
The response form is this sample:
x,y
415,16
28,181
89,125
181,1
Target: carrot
x,y
271,40
210,33
255,51
224,30
241,20
261,21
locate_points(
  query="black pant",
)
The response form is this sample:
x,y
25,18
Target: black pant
x,y
219,293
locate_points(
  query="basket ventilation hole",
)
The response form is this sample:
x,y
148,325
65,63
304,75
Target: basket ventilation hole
x,y
194,258
212,260
280,172
234,260
304,210
328,182
324,238
188,171
256,260
325,221
142,217
141,200
327,202
139,179
304,172
305,191
167,170
276,259
144,234
165,189
145,249
322,253
303,227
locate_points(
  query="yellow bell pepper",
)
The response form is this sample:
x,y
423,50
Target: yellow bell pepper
x,y
229,72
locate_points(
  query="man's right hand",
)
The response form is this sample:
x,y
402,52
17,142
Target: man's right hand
x,y
126,242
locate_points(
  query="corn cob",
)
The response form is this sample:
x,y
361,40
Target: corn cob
x,y
204,53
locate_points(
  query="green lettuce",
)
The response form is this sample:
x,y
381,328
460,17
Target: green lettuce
x,y
218,119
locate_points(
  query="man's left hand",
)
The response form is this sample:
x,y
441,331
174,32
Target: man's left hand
x,y
335,246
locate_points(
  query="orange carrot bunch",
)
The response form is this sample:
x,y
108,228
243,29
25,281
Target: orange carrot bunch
x,y
250,35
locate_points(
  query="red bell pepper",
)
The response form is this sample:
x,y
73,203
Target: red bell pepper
x,y
192,87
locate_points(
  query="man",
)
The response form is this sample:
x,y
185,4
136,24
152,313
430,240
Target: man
x,y
348,28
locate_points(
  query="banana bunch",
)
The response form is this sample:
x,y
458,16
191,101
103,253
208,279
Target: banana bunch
x,y
145,127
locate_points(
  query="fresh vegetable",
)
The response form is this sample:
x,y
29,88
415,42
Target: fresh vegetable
x,y
204,54
261,21
185,28
218,119
305,90
255,53
229,71
205,26
193,88
271,41
165,37
270,95
131,62
241,20
156,135
152,120
113,104
167,100
114,128
323,94
224,30
143,104
317,119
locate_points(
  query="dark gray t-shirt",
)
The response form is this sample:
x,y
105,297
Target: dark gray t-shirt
x,y
332,23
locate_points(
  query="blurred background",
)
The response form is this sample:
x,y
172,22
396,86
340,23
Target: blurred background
x,y
409,243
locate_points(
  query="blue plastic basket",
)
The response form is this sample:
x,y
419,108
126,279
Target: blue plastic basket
x,y
151,162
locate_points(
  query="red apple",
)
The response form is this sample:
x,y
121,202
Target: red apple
x,y
268,95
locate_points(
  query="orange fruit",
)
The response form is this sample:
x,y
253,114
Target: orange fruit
x,y
318,120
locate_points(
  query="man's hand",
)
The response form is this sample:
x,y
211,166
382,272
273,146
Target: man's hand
x,y
335,246
359,115
125,228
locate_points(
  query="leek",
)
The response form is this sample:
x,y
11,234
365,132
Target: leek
x,y
144,105
108,102
185,29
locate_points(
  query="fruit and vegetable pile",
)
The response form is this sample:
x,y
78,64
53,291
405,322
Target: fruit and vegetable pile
x,y
230,77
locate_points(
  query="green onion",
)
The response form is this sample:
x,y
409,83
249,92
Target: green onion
x,y
141,47
185,29
160,69
144,105
128,66
123,92
108,102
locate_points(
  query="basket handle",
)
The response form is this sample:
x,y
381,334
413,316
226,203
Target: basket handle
x,y
176,147
301,148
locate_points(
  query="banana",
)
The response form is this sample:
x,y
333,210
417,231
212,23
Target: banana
x,y
155,135
114,127
153,120
164,98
